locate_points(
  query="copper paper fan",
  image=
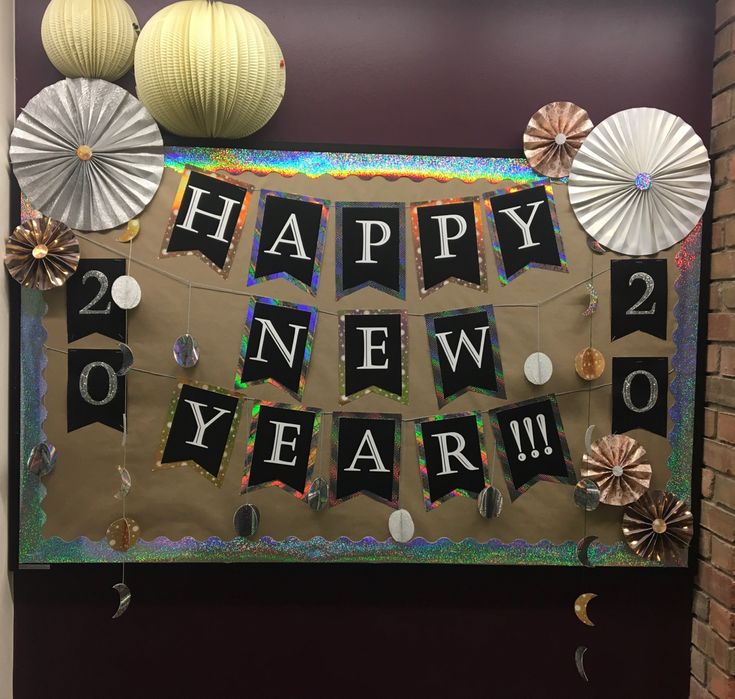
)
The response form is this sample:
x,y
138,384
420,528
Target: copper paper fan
x,y
42,253
553,136
86,152
658,527
617,464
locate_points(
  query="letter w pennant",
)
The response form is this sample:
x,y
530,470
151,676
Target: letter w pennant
x,y
200,430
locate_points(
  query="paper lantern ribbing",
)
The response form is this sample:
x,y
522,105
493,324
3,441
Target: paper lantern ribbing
x,y
640,181
90,38
209,69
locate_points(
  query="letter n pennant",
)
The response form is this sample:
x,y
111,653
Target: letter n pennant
x,y
366,457
281,447
200,430
452,457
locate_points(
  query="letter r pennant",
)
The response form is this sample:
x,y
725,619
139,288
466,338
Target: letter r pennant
x,y
200,430
281,448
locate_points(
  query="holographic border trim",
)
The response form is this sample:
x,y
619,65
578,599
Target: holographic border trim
x,y
253,435
479,242
563,267
333,475
570,479
318,253
457,492
224,271
219,478
34,548
489,311
339,264
342,352
241,385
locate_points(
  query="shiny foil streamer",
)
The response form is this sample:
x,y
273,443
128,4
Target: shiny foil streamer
x,y
343,397
553,136
241,385
86,152
505,279
254,416
457,492
42,253
35,548
318,253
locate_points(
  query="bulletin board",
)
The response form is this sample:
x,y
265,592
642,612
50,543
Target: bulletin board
x,y
513,290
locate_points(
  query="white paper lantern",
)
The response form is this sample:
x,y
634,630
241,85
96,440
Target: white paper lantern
x,y
209,69
90,38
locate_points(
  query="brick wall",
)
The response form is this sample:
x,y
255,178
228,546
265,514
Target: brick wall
x,y
713,628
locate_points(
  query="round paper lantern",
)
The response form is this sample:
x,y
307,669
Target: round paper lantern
x,y
90,38
209,69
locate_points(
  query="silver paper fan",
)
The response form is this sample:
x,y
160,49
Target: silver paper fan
x,y
87,153
640,181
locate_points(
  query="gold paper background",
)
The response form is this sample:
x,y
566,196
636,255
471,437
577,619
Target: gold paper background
x,y
179,502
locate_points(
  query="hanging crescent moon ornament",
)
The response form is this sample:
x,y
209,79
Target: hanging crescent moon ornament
x,y
587,495
126,483
127,361
131,231
579,662
186,351
580,607
538,368
583,546
595,247
401,527
594,298
589,438
125,596
318,495
246,520
490,502
126,292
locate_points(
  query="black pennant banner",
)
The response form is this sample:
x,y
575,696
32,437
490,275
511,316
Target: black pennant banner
x,y
366,457
94,390
206,220
465,355
452,457
639,394
370,248
638,297
89,306
449,244
531,445
200,430
288,241
373,355
276,345
525,230
281,447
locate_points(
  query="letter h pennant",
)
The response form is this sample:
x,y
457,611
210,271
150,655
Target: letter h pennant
x,y
281,448
206,219
200,430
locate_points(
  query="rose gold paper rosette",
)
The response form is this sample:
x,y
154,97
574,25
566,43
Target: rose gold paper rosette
x,y
42,253
658,527
553,136
617,464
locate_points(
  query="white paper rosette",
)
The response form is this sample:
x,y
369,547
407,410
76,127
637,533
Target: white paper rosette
x,y
640,181
87,153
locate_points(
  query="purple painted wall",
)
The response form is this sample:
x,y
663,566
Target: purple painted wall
x,y
437,73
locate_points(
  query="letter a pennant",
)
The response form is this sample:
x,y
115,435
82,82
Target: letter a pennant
x,y
200,430
281,447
